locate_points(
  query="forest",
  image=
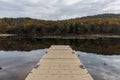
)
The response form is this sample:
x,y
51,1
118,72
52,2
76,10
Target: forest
x,y
106,24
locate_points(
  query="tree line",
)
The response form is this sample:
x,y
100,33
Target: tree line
x,y
98,24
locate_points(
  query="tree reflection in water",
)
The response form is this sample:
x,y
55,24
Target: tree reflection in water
x,y
104,46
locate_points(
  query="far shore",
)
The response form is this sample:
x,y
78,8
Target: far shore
x,y
5,35
84,36
91,36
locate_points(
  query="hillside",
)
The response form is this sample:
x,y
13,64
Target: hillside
x,y
98,24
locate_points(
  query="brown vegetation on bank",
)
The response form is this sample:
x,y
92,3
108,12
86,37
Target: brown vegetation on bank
x,y
99,24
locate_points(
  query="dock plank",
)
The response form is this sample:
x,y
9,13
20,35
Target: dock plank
x,y
59,63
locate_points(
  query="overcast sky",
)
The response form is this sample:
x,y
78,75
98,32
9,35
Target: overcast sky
x,y
57,9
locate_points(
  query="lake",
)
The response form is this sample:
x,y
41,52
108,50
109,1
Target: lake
x,y
100,56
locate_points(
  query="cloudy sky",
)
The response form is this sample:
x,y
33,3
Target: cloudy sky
x,y
57,9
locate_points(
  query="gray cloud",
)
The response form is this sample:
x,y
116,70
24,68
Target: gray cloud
x,y
57,9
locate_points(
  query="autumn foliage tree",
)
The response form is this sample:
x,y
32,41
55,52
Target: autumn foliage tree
x,y
98,24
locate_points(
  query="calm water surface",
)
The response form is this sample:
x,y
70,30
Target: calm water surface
x,y
101,67
16,64
100,56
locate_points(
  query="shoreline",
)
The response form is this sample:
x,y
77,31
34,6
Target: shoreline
x,y
91,36
94,36
6,35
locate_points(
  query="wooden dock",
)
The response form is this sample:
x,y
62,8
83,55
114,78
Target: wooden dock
x,y
59,63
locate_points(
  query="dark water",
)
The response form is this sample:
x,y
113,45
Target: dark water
x,y
105,46
19,55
